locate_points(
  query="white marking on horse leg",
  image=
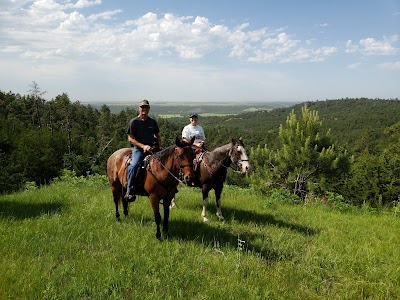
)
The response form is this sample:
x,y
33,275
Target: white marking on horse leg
x,y
173,204
204,212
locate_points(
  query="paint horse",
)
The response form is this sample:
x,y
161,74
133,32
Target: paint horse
x,y
212,169
161,174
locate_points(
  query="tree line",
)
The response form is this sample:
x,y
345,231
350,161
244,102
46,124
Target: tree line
x,y
348,149
39,138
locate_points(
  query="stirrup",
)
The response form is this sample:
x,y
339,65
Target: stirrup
x,y
129,197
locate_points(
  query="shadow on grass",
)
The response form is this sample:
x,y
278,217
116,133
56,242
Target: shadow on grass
x,y
221,237
22,210
216,234
266,219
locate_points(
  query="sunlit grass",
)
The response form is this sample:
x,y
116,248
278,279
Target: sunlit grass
x,y
63,242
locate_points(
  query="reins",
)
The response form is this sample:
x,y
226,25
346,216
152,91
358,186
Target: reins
x,y
213,170
169,172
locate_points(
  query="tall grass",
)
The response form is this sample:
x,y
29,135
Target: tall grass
x,y
63,242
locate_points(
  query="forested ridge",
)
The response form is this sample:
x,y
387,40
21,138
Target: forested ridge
x,y
354,123
39,139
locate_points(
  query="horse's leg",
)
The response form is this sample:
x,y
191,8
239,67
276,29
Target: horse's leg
x,y
116,196
155,205
218,192
166,204
205,191
124,202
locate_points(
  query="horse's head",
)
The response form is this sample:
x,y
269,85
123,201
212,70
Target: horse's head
x,y
184,157
239,156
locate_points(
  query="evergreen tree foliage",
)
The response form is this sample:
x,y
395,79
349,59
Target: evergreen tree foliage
x,y
306,158
374,179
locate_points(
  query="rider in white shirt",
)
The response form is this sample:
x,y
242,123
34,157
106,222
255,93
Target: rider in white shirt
x,y
193,130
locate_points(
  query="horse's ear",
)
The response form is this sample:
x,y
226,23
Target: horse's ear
x,y
233,141
192,140
241,139
178,142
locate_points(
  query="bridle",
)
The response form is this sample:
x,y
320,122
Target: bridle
x,y
237,163
231,158
181,166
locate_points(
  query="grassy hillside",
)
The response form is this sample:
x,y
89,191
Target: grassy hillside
x,y
62,242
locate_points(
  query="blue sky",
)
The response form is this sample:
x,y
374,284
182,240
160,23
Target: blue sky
x,y
115,51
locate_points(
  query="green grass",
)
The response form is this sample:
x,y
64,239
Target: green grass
x,y
62,242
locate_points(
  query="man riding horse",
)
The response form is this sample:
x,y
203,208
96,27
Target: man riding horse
x,y
142,133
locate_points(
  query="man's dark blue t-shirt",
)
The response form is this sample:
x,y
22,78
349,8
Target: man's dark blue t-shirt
x,y
143,130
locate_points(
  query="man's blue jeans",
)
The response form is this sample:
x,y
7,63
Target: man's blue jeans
x,y
137,157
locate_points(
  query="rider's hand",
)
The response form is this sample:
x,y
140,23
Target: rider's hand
x,y
146,148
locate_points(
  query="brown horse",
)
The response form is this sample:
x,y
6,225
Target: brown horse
x,y
163,172
212,169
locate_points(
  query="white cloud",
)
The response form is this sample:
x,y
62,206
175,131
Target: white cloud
x,y
75,21
392,66
86,3
284,49
53,29
350,48
353,66
45,6
371,46
107,15
374,47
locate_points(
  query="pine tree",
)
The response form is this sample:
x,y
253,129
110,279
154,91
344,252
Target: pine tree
x,y
306,160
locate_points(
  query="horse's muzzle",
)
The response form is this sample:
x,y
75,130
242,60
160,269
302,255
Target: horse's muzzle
x,y
245,166
187,179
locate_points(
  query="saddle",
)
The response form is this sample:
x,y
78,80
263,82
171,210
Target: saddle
x,y
138,181
199,157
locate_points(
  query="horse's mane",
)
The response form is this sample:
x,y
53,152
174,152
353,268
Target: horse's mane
x,y
167,152
164,154
220,153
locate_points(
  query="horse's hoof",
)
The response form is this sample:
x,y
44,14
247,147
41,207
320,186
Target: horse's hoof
x,y
206,220
221,217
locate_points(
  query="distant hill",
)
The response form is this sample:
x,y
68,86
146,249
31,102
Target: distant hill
x,y
167,109
354,123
